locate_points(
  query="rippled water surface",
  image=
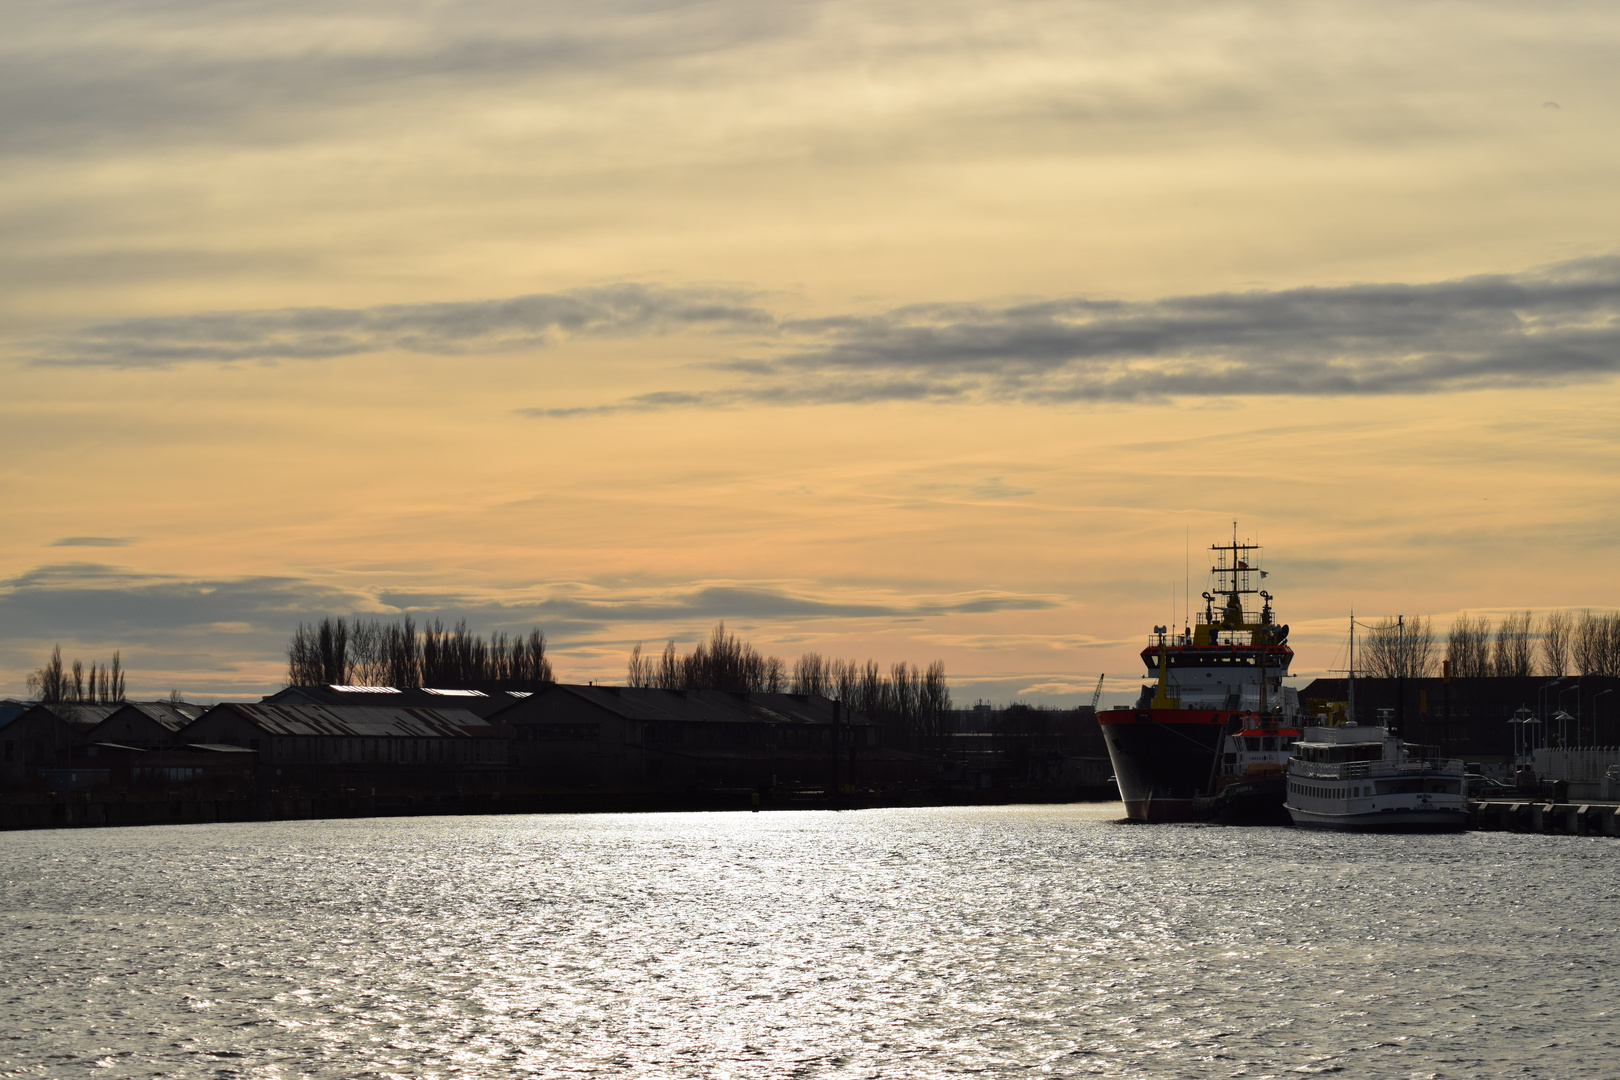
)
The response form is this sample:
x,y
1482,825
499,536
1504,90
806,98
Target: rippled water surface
x,y
891,943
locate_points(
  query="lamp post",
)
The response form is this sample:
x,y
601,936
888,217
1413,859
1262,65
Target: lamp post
x,y
1541,695
1520,718
1563,725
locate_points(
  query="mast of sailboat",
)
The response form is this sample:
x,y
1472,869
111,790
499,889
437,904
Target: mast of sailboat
x,y
1350,698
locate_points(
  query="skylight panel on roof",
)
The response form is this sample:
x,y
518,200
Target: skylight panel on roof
x,y
365,689
521,693
454,693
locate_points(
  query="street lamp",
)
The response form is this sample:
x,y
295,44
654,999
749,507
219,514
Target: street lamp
x,y
1563,727
1520,718
1541,695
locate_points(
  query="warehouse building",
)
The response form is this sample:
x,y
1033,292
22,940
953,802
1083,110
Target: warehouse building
x,y
380,739
623,737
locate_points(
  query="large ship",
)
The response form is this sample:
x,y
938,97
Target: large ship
x,y
1213,734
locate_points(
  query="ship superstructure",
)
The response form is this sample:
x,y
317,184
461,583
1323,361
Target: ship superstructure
x,y
1222,675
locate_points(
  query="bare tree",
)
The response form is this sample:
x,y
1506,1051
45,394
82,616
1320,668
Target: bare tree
x,y
50,682
1398,648
404,654
641,669
56,683
1596,647
371,653
1468,647
810,675
909,701
844,682
1588,643
1555,643
368,657
1513,654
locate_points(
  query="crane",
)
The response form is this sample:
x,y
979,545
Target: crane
x,y
1096,695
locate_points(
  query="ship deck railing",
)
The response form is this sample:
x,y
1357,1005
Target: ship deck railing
x,y
1356,770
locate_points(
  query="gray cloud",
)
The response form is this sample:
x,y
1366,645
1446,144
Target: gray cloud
x,y
102,601
93,541
441,329
1550,327
247,620
267,73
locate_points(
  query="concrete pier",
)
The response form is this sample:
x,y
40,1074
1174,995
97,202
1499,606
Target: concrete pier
x,y
1533,815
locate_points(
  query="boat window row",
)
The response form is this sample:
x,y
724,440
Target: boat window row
x,y
1335,754
1390,787
1333,791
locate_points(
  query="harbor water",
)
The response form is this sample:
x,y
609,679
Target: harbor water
x,y
894,943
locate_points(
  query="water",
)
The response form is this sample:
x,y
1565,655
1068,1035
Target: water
x,y
893,943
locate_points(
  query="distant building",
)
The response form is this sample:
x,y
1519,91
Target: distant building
x,y
699,740
395,740
1471,718
146,725
42,736
1026,747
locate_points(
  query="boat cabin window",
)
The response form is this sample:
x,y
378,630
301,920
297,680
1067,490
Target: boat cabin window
x,y
1336,754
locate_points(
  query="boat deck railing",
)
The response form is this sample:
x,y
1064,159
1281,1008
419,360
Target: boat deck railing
x,y
1356,770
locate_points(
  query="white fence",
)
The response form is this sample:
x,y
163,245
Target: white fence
x,y
1585,765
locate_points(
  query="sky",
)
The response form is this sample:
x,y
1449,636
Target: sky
x,y
909,331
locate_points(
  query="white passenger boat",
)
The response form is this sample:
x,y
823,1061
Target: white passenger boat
x,y
1353,777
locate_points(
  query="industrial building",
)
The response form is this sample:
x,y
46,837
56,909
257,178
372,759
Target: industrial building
x,y
695,740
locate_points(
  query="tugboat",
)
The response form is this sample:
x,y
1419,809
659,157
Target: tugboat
x,y
1212,738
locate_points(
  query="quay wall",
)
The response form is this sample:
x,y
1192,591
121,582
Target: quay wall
x,y
1568,819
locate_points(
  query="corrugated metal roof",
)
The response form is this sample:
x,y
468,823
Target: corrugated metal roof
x,y
83,716
362,721
172,716
484,703
705,706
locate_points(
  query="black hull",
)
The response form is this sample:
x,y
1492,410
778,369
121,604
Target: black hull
x,y
1261,801
1164,759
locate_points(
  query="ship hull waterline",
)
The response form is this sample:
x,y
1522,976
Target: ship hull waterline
x,y
1405,820
1163,759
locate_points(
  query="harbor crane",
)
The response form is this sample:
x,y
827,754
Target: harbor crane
x,y
1096,695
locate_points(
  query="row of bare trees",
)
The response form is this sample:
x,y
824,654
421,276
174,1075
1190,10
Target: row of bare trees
x,y
907,700
369,652
1519,644
55,683
724,662
915,699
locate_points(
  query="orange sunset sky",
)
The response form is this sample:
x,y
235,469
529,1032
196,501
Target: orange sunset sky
x,y
892,330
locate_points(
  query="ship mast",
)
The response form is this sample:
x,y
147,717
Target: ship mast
x,y
1350,698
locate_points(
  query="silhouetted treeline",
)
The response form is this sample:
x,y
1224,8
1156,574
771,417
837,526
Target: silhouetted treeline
x,y
1519,645
722,663
55,683
909,702
368,652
